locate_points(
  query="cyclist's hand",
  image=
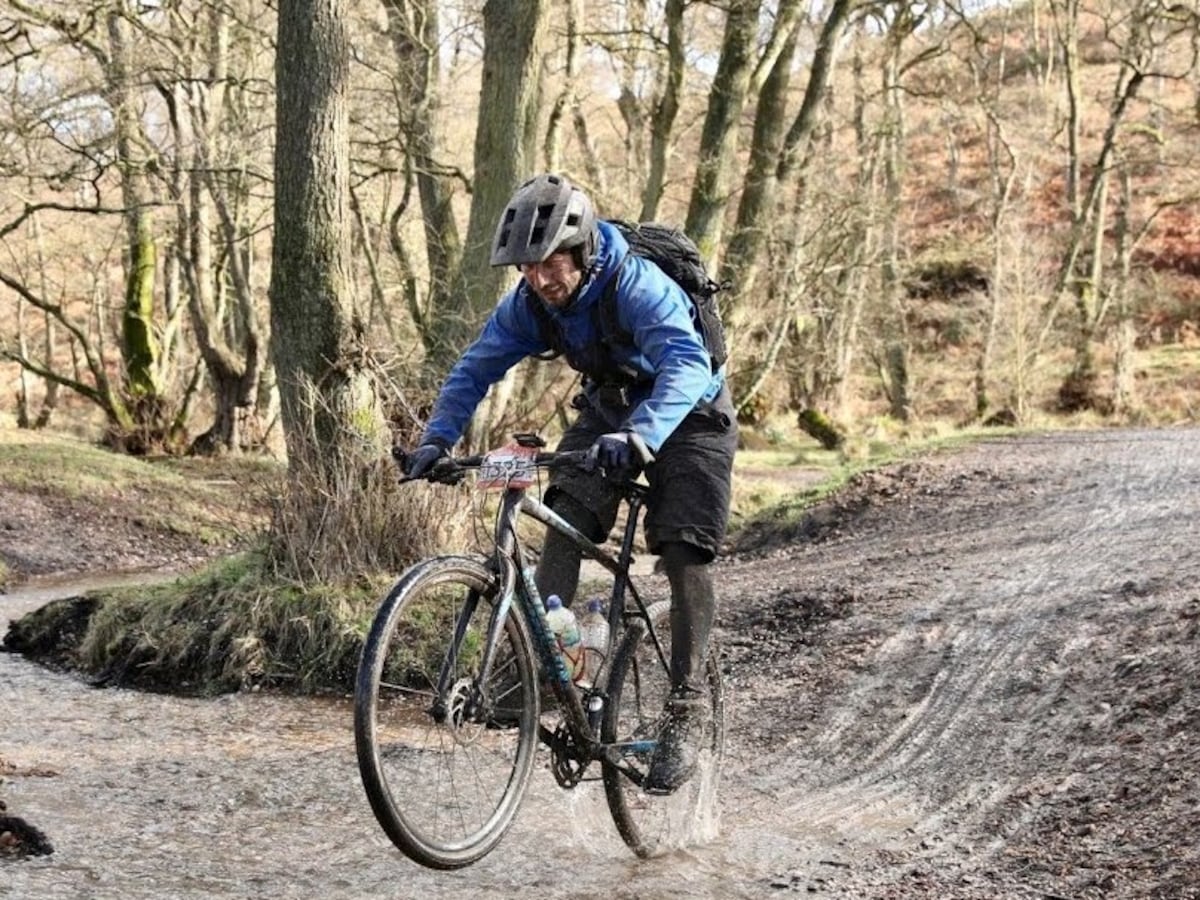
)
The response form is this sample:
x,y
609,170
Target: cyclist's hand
x,y
617,451
421,462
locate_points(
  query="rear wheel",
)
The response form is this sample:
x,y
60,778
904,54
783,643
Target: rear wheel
x,y
444,760
637,689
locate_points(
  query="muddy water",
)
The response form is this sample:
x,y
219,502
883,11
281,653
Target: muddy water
x,y
252,795
910,745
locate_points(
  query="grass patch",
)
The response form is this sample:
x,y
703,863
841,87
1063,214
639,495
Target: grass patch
x,y
212,500
233,626
780,505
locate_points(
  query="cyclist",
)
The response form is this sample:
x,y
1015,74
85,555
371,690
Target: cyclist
x,y
658,393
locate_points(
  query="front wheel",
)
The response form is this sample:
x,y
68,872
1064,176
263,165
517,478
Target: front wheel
x,y
445,759
637,690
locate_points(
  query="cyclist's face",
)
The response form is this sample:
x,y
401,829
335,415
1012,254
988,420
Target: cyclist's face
x,y
555,278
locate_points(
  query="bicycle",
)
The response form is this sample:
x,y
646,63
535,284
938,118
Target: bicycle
x,y
447,707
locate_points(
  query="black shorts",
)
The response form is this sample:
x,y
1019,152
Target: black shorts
x,y
690,478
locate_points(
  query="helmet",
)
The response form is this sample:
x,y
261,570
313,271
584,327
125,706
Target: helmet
x,y
547,213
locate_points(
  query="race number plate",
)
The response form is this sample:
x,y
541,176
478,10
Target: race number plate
x,y
509,466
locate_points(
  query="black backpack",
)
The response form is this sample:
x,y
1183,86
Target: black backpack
x,y
679,258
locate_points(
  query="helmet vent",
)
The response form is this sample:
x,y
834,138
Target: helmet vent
x,y
506,228
538,233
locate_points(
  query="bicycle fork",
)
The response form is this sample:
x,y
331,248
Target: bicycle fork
x,y
475,705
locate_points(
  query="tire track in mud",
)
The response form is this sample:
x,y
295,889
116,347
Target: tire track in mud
x,y
988,649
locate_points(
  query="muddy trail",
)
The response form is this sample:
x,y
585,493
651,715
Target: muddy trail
x,y
971,676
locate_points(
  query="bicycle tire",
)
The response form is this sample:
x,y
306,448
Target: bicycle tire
x,y
637,688
444,778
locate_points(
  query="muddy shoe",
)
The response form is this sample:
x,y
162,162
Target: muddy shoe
x,y
678,749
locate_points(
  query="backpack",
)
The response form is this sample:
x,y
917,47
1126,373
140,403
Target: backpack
x,y
679,258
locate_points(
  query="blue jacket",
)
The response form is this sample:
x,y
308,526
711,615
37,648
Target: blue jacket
x,y
667,349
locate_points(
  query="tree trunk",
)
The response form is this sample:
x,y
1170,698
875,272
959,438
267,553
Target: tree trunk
x,y
776,160
220,299
505,155
1124,384
896,345
1137,60
331,416
759,188
718,140
662,122
139,348
1002,173
413,26
328,404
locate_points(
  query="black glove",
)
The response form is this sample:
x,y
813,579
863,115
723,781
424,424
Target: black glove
x,y
421,461
611,452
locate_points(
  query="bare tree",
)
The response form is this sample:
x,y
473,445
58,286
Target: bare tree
x,y
161,110
712,186
209,177
777,159
1140,39
568,106
139,409
506,141
133,142
666,108
318,337
413,26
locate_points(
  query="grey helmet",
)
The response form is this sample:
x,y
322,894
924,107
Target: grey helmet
x,y
547,213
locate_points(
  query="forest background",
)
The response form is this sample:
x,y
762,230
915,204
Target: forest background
x,y
227,224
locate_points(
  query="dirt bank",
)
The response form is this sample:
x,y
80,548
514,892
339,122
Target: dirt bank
x,y
1004,696
974,676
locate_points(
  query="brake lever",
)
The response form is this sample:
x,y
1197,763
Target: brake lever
x,y
444,471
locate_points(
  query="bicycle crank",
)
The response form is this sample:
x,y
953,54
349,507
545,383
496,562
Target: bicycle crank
x,y
566,761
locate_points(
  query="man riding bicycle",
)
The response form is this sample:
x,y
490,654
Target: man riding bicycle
x,y
655,396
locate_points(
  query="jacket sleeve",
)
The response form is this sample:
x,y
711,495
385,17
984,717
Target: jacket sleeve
x,y
658,314
510,334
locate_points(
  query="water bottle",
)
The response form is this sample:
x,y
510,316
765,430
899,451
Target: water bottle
x,y
593,632
566,630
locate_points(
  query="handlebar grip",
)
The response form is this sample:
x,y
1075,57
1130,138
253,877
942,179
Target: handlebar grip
x,y
562,458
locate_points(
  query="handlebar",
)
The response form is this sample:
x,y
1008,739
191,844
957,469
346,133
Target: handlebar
x,y
452,469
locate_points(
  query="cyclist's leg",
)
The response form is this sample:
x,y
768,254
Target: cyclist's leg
x,y
687,513
693,608
558,567
686,711
586,501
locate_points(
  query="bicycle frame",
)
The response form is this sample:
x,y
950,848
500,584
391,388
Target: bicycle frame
x,y
581,712
447,736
